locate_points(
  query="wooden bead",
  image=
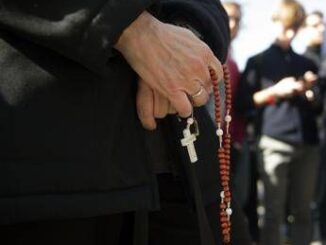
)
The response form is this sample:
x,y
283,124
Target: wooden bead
x,y
227,141
224,225
227,199
224,172
225,231
221,150
225,178
224,219
225,183
227,193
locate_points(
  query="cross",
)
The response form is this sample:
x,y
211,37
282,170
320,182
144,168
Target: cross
x,y
188,141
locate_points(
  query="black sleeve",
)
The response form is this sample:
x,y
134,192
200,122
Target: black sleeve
x,y
205,16
84,31
249,84
317,103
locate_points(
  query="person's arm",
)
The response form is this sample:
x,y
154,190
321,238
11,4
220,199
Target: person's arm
x,y
84,31
285,88
311,97
207,17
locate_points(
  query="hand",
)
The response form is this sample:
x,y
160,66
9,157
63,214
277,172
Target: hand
x,y
170,60
287,87
151,105
309,79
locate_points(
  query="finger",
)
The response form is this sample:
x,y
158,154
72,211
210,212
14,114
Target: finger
x,y
309,76
216,69
298,87
180,101
171,109
145,106
208,85
161,105
204,76
199,96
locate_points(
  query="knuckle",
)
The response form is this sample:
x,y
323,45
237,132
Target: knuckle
x,y
143,113
160,114
206,51
218,70
184,111
197,65
188,32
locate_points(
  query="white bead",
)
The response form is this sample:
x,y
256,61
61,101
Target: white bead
x,y
310,95
190,120
228,211
228,118
222,194
219,132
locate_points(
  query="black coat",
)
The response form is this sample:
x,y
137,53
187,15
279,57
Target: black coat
x,y
71,144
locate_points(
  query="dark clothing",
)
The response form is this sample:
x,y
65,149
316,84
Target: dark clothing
x,y
319,207
289,120
71,144
314,53
174,224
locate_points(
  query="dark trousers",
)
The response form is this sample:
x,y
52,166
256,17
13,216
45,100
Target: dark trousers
x,y
174,224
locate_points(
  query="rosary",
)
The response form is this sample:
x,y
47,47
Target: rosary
x,y
190,134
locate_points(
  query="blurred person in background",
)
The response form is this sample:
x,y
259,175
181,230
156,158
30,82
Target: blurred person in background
x,y
314,32
273,92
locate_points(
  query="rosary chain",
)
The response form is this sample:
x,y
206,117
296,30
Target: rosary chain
x,y
224,151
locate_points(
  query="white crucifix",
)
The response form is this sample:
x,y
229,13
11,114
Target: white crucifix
x,y
188,141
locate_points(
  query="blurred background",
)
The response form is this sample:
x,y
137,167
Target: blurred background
x,y
257,30
279,208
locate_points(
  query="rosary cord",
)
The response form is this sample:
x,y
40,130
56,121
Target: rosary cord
x,y
224,151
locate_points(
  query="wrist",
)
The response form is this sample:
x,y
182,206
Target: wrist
x,y
145,22
271,99
271,96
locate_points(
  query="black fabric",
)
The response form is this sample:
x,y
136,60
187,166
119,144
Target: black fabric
x,y
90,231
176,223
314,53
82,31
319,208
71,143
290,120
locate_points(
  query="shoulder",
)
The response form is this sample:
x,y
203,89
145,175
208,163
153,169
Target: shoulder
x,y
306,62
256,59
